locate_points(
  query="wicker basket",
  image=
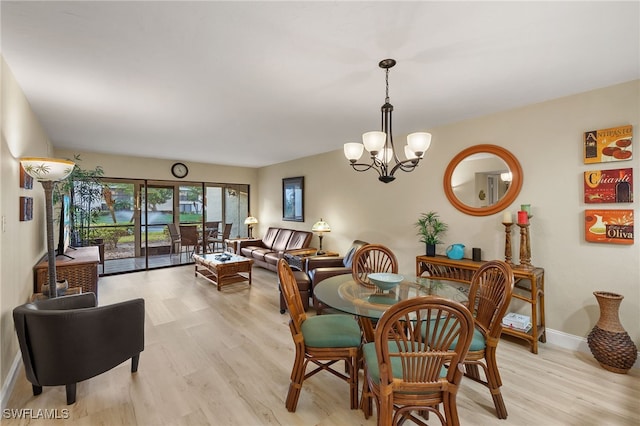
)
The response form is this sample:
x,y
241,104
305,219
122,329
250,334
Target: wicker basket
x,y
610,344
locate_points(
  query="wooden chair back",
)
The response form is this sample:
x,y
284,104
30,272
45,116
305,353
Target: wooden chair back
x,y
420,345
372,258
489,296
292,298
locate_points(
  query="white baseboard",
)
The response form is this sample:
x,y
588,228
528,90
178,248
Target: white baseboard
x,y
572,343
7,387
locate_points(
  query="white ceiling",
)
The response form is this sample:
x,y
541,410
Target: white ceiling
x,y
258,83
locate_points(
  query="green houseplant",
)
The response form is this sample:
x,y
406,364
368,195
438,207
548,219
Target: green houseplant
x,y
85,189
430,228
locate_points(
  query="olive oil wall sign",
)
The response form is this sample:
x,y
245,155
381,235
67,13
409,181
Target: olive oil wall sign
x,y
602,146
608,186
608,226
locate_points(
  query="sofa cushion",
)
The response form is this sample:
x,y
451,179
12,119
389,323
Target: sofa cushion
x,y
260,253
270,237
282,239
299,239
273,257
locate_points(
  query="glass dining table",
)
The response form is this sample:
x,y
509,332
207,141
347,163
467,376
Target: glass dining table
x,y
342,293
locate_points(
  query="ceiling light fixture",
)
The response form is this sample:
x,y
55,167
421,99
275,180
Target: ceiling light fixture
x,y
384,157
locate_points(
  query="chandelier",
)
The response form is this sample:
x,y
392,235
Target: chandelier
x,y
384,157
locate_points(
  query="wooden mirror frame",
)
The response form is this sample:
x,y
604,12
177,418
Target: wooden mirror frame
x,y
510,195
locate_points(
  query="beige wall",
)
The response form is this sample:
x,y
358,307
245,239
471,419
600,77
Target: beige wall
x,y
546,138
22,244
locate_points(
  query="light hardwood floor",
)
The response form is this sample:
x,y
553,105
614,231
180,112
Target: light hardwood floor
x,y
224,358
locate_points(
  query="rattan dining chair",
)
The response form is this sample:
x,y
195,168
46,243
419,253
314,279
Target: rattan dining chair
x,y
369,259
372,258
321,340
414,364
489,297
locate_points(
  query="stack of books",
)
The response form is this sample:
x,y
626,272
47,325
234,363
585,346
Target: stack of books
x,y
517,322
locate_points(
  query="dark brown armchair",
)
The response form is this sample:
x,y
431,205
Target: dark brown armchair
x,y
321,268
69,339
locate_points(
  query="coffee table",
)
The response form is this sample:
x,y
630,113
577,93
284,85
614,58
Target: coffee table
x,y
214,268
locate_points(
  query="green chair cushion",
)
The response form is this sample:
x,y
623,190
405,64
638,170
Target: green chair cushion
x,y
331,331
478,343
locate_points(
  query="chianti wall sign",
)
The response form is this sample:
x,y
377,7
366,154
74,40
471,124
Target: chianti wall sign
x,y
608,186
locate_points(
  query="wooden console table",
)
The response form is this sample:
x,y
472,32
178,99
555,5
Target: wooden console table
x,y
528,287
81,271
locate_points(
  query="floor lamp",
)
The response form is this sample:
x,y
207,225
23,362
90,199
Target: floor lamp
x,y
48,171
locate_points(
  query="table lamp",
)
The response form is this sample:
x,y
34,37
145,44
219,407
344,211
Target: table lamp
x,y
250,221
48,171
321,227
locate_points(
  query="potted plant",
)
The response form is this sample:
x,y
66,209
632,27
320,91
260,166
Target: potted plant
x,y
430,228
86,190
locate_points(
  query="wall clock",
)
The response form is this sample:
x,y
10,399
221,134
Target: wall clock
x,y
179,170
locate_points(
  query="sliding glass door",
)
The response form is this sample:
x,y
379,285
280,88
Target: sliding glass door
x,y
135,218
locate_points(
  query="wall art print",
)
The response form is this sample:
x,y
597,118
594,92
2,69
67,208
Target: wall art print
x,y
26,181
293,199
608,226
608,186
608,145
26,208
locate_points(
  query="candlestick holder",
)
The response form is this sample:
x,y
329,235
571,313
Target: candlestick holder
x,y
507,243
525,247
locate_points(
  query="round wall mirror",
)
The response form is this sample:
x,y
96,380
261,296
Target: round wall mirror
x,y
482,180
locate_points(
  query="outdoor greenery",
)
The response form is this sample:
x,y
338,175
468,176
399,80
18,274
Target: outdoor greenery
x,y
86,191
430,228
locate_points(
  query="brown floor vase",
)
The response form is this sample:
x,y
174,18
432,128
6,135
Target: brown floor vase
x,y
609,342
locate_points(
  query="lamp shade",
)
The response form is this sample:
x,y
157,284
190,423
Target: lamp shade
x,y
419,142
374,141
47,169
250,220
353,150
321,226
385,155
506,176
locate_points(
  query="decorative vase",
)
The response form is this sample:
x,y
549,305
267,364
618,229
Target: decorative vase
x,y
61,288
431,250
608,341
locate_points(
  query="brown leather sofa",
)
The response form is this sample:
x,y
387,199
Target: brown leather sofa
x,y
275,242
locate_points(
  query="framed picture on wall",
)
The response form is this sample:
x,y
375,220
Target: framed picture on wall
x,y
608,145
608,186
26,181
26,208
293,199
608,226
